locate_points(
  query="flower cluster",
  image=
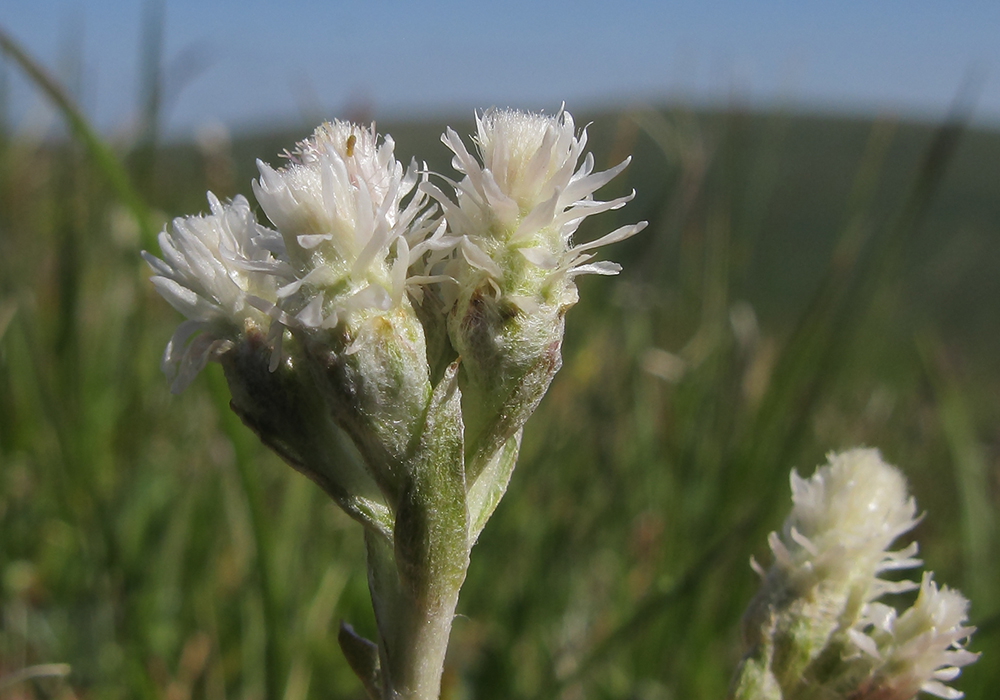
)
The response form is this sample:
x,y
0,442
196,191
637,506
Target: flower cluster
x,y
356,235
511,218
918,650
817,628
425,327
844,519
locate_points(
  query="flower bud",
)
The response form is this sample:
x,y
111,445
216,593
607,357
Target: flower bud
x,y
339,206
287,411
373,375
897,657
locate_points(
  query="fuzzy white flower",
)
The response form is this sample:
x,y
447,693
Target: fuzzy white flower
x,y
528,196
844,518
919,649
339,205
816,628
215,269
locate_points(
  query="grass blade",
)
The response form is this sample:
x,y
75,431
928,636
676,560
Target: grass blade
x,y
972,474
100,153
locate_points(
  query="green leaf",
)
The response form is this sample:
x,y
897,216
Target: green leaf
x,y
362,657
431,533
7,311
100,153
431,552
491,484
972,474
515,410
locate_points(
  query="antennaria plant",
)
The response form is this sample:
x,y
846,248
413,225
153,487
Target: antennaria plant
x,y
425,326
387,331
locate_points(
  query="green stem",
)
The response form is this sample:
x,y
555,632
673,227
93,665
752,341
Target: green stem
x,y
414,622
415,581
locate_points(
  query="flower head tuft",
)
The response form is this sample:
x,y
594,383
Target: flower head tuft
x,y
844,519
339,205
817,628
918,650
520,203
216,270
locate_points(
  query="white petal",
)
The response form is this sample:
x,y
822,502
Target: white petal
x,y
540,257
539,217
578,189
312,315
941,690
864,643
480,260
311,240
949,673
619,234
604,267
185,300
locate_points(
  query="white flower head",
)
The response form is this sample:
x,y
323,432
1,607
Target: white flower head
x,y
919,650
818,608
527,194
844,519
339,205
216,270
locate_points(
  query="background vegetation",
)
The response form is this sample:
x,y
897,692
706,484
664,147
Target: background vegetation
x,y
807,283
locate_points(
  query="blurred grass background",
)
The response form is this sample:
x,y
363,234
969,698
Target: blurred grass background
x,y
806,284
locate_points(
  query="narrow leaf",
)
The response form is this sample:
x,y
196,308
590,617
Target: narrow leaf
x,y
362,657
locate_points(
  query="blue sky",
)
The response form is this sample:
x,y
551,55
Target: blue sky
x,y
253,63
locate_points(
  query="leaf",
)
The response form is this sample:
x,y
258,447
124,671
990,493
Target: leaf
x,y
431,534
491,484
515,410
431,551
100,153
7,311
972,474
362,657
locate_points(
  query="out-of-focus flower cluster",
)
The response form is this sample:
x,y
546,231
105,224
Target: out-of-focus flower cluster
x,y
817,628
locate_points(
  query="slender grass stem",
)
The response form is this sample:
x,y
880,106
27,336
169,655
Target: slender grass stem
x,y
274,667
100,153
